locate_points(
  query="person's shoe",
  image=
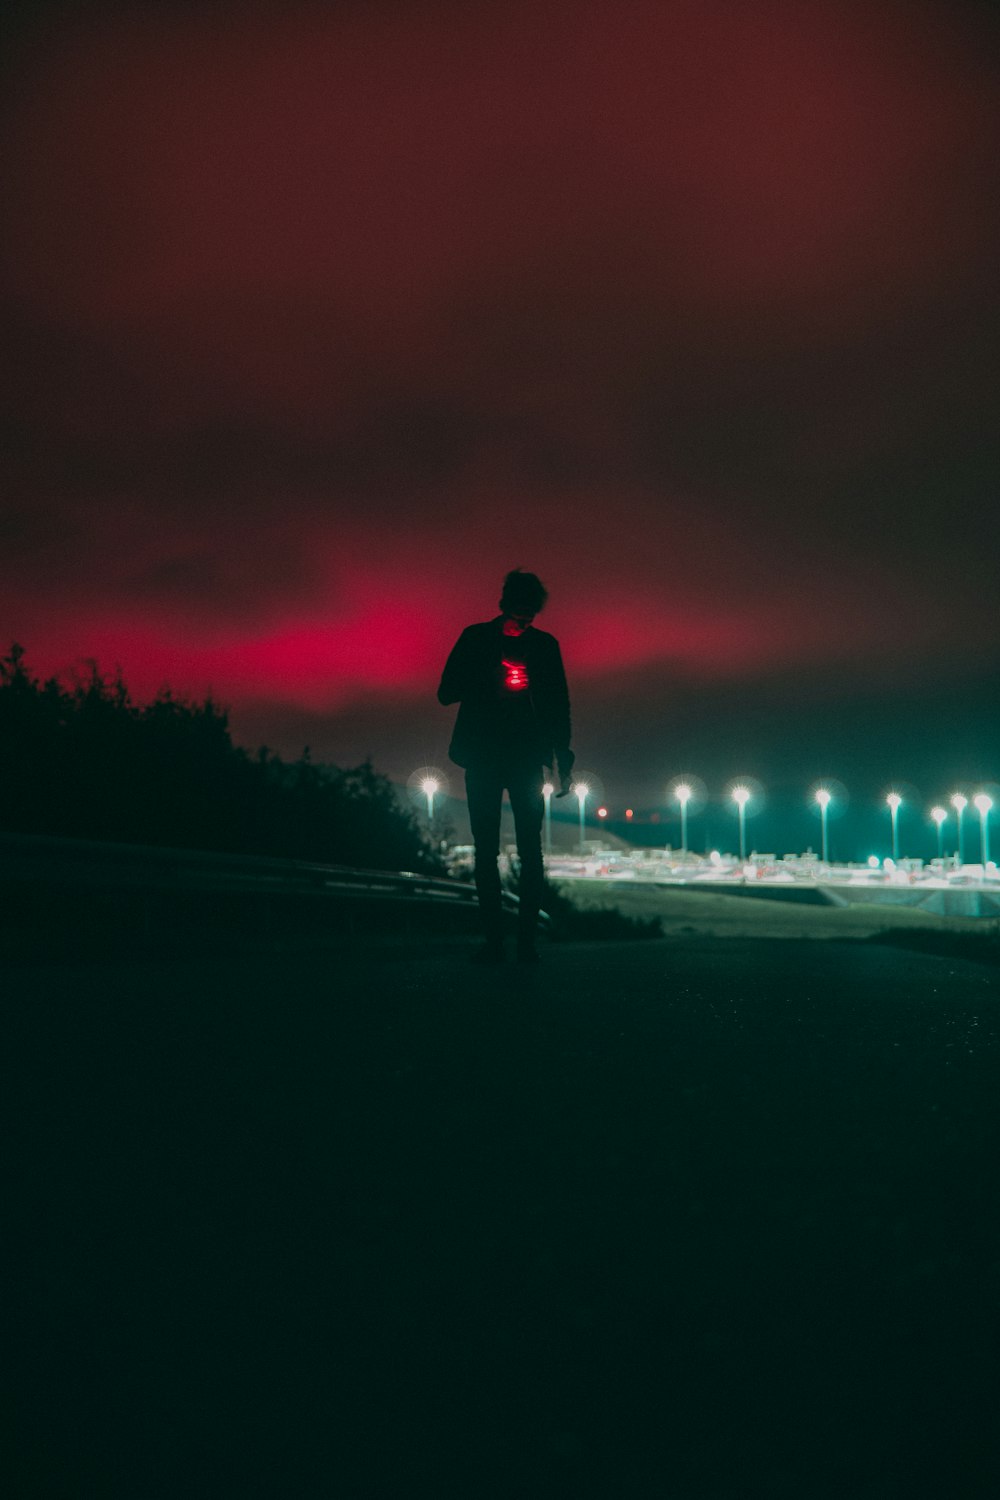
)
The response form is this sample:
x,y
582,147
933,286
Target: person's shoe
x,y
490,955
527,953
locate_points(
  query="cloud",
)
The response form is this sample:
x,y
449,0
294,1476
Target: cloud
x,y
321,318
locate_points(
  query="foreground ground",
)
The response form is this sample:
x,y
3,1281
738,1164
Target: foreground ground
x,y
685,1219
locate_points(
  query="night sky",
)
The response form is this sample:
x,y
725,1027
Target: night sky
x,y
320,317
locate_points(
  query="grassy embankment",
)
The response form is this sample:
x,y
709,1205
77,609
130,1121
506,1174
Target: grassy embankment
x,y
684,913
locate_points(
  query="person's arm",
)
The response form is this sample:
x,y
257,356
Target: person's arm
x,y
455,677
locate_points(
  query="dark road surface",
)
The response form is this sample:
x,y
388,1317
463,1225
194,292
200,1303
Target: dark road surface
x,y
696,1220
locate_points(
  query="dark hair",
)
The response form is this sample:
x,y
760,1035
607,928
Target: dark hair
x,y
523,592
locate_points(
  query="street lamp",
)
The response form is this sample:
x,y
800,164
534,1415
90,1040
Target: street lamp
x,y
547,791
823,798
960,803
429,786
741,796
939,814
582,791
683,795
424,785
983,804
894,800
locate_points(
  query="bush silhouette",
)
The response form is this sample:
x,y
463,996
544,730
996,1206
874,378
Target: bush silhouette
x,y
572,923
84,760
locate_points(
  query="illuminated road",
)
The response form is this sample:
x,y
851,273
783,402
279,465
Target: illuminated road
x,y
722,1215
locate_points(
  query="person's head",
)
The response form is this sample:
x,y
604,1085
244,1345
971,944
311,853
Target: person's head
x,y
523,598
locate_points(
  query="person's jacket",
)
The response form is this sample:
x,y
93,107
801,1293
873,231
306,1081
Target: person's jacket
x,y
477,676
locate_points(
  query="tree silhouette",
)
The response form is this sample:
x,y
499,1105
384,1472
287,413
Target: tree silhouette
x,y
84,760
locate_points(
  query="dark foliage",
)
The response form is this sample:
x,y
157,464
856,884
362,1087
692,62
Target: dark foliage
x,y
570,922
83,760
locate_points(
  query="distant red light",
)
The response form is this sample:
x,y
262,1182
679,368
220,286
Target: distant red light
x,y
602,812
628,812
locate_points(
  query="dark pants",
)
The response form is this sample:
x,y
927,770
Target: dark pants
x,y
484,789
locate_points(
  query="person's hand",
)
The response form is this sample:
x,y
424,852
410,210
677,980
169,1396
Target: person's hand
x,y
565,784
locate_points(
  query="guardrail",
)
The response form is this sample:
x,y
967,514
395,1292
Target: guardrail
x,y
36,860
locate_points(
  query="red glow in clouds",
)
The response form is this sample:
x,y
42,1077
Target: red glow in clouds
x,y
322,318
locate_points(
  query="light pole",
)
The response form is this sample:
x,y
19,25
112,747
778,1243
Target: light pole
x,y
547,791
960,803
823,798
741,796
894,800
581,789
429,786
939,814
683,795
983,804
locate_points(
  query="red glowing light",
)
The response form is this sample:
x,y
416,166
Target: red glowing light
x,y
517,676
602,812
628,812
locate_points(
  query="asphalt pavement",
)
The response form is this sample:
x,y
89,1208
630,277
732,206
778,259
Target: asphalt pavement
x,y
684,1219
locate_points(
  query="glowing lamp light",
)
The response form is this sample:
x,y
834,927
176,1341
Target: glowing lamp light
x,y
581,790
741,796
823,797
873,861
683,794
629,813
959,803
602,812
517,676
548,789
426,783
982,804
429,786
894,801
939,814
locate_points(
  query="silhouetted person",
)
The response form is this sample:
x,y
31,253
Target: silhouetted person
x,y
513,720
